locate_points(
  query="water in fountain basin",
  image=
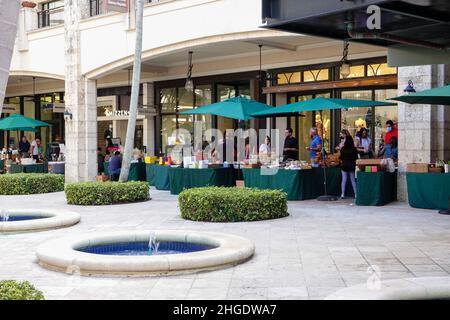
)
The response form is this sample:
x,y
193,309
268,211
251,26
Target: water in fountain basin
x,y
4,216
153,244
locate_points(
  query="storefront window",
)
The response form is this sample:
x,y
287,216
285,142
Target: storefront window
x,y
185,99
383,114
168,100
356,72
354,119
288,78
169,125
380,69
316,75
203,96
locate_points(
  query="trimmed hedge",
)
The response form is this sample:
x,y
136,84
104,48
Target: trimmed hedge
x,y
220,204
30,183
13,290
104,193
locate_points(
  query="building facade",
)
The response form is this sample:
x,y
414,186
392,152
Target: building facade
x,y
78,54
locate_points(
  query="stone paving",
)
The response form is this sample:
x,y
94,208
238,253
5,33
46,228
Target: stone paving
x,y
319,249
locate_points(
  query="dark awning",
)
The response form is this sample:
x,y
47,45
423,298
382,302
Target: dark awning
x,y
421,21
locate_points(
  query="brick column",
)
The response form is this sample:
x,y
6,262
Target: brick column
x,y
80,100
424,130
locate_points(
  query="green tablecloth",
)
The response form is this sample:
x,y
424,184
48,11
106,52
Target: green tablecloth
x,y
376,189
31,168
428,190
184,178
2,165
298,184
137,171
158,176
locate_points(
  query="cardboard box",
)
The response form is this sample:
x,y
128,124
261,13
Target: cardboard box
x,y
364,163
435,169
417,167
102,178
240,184
252,165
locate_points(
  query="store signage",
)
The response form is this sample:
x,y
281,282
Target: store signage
x,y
126,113
57,107
9,108
117,5
117,113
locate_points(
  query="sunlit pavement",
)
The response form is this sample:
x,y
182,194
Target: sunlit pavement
x,y
318,249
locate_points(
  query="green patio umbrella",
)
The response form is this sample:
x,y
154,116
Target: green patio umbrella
x,y
238,108
18,122
21,123
319,104
437,96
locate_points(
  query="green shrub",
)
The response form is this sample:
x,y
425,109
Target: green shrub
x,y
103,193
30,183
218,204
13,290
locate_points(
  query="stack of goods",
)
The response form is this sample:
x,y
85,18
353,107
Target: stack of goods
x,y
438,167
298,165
332,160
370,165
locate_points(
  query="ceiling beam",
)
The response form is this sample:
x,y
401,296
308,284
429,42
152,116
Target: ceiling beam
x,y
153,69
271,44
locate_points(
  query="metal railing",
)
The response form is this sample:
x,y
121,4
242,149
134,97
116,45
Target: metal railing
x,y
50,17
96,7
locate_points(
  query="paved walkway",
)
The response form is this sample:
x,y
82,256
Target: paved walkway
x,y
318,249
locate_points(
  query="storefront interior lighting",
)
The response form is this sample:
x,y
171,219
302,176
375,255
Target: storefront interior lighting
x,y
189,86
410,87
345,66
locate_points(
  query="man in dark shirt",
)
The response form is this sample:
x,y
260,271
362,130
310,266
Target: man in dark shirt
x,y
24,146
290,150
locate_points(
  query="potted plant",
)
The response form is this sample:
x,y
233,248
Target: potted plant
x,y
28,4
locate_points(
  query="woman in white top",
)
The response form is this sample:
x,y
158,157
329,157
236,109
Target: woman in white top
x,y
364,145
265,147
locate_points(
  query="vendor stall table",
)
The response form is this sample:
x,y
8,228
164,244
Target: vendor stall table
x,y
184,178
428,190
137,171
376,188
29,168
298,184
158,176
56,167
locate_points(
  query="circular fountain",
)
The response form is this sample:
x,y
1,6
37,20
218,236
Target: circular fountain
x,y
26,220
144,253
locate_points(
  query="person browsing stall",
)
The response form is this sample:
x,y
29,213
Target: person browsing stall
x,y
348,157
24,146
290,149
115,163
265,147
391,131
35,148
315,147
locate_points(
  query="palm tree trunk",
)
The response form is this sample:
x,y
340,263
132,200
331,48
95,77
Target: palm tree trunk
x,y
129,143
